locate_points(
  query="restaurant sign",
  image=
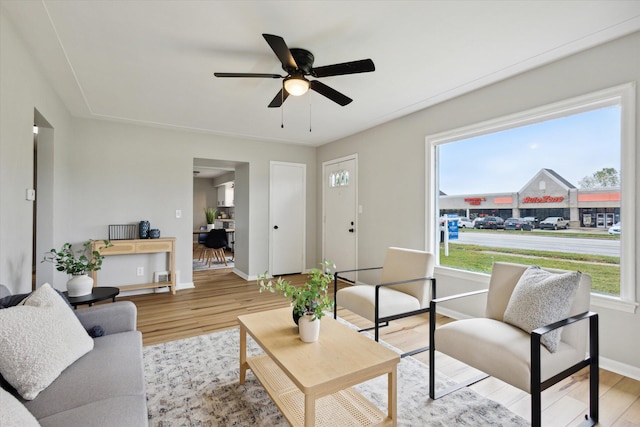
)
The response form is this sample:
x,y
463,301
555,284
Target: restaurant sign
x,y
475,200
545,199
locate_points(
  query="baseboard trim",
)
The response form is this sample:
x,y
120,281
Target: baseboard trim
x,y
185,285
632,372
244,275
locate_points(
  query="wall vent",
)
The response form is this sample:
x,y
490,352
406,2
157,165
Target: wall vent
x,y
160,276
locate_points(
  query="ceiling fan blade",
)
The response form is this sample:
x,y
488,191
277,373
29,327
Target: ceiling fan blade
x,y
279,99
281,50
353,67
330,93
267,76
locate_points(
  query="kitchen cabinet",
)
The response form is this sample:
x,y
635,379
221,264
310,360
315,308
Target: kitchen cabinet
x,y
225,195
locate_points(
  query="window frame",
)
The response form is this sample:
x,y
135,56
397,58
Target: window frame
x,y
623,96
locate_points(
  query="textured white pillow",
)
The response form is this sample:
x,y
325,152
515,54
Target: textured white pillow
x,y
541,298
38,340
13,413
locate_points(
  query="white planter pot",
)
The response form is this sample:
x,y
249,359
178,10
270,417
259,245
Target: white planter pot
x,y
309,330
80,285
210,227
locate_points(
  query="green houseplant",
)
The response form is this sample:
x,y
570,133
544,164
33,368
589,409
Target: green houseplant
x,y
310,298
210,213
77,264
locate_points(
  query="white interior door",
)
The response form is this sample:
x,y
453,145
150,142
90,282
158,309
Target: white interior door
x,y
287,213
340,211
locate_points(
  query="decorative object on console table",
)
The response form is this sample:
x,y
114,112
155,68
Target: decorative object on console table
x,y
144,228
77,264
310,300
123,231
154,233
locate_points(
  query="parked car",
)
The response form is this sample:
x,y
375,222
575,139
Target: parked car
x,y
464,222
479,222
535,222
554,222
615,228
517,224
492,222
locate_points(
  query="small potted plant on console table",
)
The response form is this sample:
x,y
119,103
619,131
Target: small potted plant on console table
x,y
77,264
309,301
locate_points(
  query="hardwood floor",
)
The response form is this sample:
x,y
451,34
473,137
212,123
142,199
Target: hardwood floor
x,y
220,296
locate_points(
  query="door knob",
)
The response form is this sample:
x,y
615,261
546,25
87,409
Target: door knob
x,y
351,230
275,227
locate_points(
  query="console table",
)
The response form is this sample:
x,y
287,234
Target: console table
x,y
140,246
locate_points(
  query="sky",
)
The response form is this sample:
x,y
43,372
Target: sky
x,y
574,146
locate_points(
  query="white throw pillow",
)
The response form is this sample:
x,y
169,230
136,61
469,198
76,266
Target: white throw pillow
x,y
541,298
38,340
13,413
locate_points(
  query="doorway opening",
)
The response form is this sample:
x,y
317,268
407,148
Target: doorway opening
x,y
41,195
221,187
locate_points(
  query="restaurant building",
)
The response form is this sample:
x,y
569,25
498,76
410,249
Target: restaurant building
x,y
546,194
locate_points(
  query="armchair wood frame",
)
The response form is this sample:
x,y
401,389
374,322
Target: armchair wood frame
x,y
383,321
537,386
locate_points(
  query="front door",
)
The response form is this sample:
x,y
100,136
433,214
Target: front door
x,y
339,203
287,201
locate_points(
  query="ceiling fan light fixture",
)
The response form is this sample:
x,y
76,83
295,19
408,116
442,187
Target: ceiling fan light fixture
x,y
296,85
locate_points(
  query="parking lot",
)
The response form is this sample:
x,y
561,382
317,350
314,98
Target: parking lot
x,y
547,240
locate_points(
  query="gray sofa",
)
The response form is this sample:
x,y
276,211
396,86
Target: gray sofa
x,y
106,386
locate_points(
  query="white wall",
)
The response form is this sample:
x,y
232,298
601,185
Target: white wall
x,y
23,88
391,161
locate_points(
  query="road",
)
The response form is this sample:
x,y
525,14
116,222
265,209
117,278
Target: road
x,y
502,239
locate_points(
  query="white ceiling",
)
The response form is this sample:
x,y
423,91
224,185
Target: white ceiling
x,y
152,62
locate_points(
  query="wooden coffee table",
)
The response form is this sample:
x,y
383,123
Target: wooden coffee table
x,y
311,382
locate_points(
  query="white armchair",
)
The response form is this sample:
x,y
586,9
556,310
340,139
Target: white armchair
x,y
512,355
404,290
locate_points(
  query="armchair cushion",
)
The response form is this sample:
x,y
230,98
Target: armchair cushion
x,y
501,350
360,299
541,298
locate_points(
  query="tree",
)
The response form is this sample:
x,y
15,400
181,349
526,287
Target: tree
x,y
606,177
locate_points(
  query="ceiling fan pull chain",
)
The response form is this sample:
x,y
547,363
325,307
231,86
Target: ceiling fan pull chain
x,y
282,107
309,111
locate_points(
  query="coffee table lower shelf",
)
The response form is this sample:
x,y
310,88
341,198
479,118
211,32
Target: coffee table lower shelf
x,y
343,408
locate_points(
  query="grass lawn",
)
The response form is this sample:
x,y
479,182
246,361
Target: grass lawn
x,y
604,270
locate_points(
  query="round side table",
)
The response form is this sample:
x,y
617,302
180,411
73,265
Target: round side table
x,y
99,293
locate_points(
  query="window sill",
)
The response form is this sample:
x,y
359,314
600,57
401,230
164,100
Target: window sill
x,y
613,303
597,300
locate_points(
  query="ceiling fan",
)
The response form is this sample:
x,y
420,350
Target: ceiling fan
x,y
298,63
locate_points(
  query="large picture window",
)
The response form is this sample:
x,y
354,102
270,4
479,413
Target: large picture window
x,y
554,186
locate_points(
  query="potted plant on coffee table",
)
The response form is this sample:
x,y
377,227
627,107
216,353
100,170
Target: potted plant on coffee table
x,y
77,264
310,301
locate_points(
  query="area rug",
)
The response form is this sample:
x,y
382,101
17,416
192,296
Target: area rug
x,y
194,382
200,265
